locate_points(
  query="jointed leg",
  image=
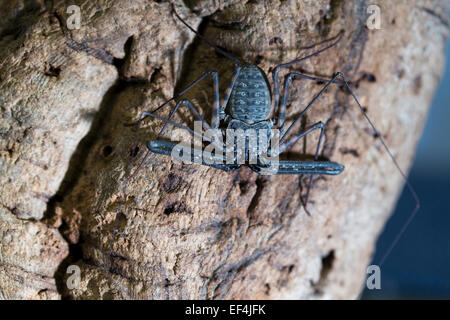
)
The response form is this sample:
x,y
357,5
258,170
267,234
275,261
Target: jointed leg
x,y
340,75
380,137
310,104
196,114
316,126
215,78
293,140
316,157
194,111
321,126
287,82
304,167
216,115
285,65
146,114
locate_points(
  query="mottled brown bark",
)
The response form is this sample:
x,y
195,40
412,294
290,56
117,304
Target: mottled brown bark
x,y
188,231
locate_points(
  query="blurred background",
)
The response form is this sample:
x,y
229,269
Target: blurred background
x,y
419,266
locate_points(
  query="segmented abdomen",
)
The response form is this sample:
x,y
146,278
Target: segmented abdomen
x,y
250,98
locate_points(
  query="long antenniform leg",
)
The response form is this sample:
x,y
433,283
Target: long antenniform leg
x,y
281,109
405,178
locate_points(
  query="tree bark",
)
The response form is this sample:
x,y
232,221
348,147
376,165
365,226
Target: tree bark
x,y
184,231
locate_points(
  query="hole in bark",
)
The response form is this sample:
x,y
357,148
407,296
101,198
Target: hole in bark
x,y
52,71
371,78
156,74
290,268
352,152
171,183
267,288
327,265
417,85
107,150
366,76
255,200
122,221
176,206
243,186
134,152
275,40
401,73
76,252
169,209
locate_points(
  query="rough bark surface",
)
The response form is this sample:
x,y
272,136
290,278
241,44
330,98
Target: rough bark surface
x,y
188,231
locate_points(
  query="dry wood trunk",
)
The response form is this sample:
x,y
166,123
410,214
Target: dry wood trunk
x,y
188,231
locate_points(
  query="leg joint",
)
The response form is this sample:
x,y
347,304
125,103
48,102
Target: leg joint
x,y
320,124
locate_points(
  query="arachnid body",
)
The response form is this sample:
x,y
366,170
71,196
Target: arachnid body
x,y
246,106
248,102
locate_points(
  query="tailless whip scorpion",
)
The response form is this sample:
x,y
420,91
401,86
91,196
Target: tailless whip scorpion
x,y
246,105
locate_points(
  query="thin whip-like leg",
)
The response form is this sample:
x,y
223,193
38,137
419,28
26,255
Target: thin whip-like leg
x,y
220,111
193,110
215,78
286,145
309,106
295,139
286,65
146,114
287,82
168,121
380,137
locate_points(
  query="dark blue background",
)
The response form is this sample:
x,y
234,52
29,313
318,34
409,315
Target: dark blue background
x,y
419,266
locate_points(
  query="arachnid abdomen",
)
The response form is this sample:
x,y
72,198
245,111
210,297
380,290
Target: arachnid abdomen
x,y
250,97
